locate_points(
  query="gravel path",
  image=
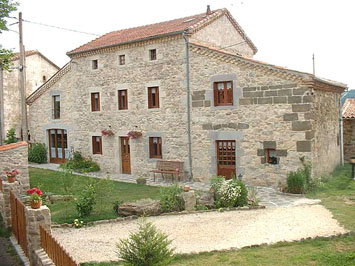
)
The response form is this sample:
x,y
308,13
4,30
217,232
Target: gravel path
x,y
206,231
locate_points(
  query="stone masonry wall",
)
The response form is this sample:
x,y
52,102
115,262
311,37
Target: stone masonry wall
x,y
168,121
221,33
36,68
269,112
325,132
5,207
15,156
349,138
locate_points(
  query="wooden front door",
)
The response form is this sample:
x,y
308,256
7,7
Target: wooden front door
x,y
125,155
226,158
58,145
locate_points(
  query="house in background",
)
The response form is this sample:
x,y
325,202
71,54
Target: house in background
x,y
349,126
38,70
248,118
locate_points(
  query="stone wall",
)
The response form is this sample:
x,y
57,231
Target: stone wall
x,y
349,138
325,132
272,108
15,156
36,68
221,33
5,208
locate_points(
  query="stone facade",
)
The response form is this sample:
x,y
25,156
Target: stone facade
x,y
273,108
14,156
349,138
38,70
5,208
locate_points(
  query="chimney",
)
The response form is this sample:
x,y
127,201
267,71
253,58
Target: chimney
x,y
208,12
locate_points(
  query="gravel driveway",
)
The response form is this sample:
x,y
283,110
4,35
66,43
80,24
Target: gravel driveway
x,y
206,231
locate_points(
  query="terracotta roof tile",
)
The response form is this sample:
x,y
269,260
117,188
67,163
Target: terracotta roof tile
x,y
349,108
27,53
190,23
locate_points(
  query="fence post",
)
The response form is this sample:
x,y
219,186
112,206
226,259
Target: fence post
x,y
5,207
35,218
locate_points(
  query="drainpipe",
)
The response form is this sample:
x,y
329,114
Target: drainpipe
x,y
341,128
188,104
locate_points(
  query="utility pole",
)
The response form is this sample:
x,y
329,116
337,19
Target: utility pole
x,y
22,81
2,124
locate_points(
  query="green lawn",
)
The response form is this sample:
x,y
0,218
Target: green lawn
x,y
64,211
338,195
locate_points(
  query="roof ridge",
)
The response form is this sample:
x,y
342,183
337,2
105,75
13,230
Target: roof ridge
x,y
201,16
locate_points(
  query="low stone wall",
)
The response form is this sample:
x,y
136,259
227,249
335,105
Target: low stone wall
x,y
40,258
5,208
15,156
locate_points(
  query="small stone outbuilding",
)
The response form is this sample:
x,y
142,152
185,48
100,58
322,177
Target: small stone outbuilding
x,y
39,69
349,128
248,118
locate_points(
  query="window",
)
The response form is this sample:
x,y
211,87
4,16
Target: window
x,y
270,155
95,64
95,101
153,54
44,79
223,93
153,97
122,60
122,100
56,106
97,145
155,150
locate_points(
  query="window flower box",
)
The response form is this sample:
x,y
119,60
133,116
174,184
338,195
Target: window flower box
x,y
107,132
134,134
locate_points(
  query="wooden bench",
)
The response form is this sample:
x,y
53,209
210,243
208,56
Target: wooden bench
x,y
174,168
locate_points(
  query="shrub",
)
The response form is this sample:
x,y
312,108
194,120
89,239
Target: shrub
x,y
80,164
171,198
10,136
37,153
86,201
116,204
146,247
229,193
296,182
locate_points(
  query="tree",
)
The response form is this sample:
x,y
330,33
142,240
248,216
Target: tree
x,y
6,7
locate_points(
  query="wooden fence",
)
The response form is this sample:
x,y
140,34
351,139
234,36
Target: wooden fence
x,y
0,184
18,221
54,250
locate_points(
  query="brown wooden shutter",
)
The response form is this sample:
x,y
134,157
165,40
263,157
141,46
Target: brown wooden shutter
x,y
157,97
100,145
149,97
151,147
98,101
93,145
215,94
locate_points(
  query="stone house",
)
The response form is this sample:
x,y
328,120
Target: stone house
x,y
244,117
349,128
38,70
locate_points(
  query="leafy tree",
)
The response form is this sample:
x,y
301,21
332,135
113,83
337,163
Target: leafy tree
x,y
6,7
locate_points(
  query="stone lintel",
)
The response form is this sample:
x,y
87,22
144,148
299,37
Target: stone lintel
x,y
269,144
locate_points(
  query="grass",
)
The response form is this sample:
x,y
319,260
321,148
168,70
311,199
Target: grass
x,y
338,195
109,192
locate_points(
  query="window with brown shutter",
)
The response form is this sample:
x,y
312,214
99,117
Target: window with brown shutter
x,y
95,101
56,106
97,145
122,100
223,93
270,155
153,97
122,59
155,147
153,54
95,64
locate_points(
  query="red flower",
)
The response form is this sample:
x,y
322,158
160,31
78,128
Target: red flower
x,y
39,192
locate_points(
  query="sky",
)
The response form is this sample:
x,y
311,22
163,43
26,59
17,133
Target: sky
x,y
286,32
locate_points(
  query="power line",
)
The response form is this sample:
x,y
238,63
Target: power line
x,y
56,27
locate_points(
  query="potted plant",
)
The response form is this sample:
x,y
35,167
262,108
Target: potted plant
x,y
36,197
134,134
141,180
11,175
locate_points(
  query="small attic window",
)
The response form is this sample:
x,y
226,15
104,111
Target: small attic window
x,y
44,79
95,64
189,20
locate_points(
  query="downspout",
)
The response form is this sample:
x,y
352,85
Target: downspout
x,y
341,128
188,104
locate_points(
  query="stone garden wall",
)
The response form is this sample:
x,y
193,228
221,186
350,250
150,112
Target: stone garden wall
x,y
15,156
